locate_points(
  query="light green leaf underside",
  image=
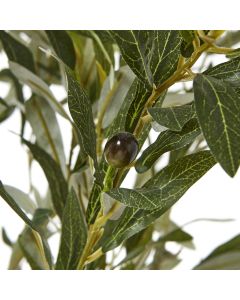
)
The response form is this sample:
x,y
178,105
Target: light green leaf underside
x,y
224,257
74,234
218,111
57,183
167,141
45,126
15,206
38,86
23,200
134,220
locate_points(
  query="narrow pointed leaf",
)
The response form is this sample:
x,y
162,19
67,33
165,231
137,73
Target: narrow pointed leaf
x,y
166,186
63,46
173,118
16,51
54,175
23,200
34,244
218,111
81,112
167,141
45,126
13,204
38,86
74,234
134,220
224,257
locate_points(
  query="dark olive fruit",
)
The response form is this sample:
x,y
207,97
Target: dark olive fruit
x,y
121,149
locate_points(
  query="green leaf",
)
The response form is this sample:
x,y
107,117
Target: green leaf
x,y
6,74
16,51
134,220
5,110
177,235
151,54
14,205
6,238
38,86
187,35
218,111
187,49
81,112
224,257
174,117
131,110
167,141
74,234
63,46
94,203
166,186
22,199
123,81
54,175
45,126
233,54
229,71
34,244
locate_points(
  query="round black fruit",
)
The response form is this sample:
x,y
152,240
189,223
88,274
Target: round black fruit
x,y
121,149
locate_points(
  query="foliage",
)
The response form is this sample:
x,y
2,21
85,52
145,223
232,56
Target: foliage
x,y
118,81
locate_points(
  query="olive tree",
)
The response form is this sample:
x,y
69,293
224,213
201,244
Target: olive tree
x,y
119,85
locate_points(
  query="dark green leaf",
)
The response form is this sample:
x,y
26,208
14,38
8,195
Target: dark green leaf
x,y
74,234
94,203
229,71
54,175
224,257
5,110
13,204
16,51
152,55
218,111
187,49
131,109
63,46
174,117
6,238
81,111
167,141
134,220
166,186
187,35
7,74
